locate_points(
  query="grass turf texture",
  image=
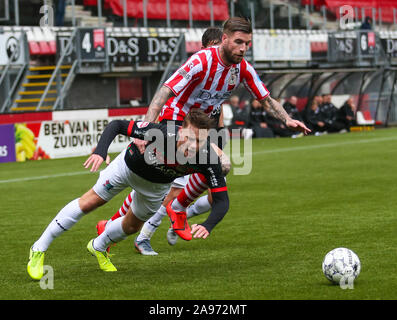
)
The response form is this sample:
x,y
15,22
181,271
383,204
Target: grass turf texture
x,y
303,198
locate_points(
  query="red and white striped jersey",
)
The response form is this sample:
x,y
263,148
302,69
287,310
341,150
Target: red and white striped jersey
x,y
205,82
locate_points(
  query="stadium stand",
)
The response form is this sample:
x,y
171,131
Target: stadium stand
x,y
298,49
383,8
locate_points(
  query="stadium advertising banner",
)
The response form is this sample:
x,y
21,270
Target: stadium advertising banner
x,y
61,139
7,143
91,44
68,134
279,47
62,41
367,43
124,50
345,46
389,45
342,46
12,45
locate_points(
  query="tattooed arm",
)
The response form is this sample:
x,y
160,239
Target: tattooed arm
x,y
276,110
158,101
152,114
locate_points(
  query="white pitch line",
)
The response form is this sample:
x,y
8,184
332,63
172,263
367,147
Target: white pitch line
x,y
66,174
318,146
300,148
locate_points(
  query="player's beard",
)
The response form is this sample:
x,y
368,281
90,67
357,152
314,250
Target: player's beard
x,y
230,57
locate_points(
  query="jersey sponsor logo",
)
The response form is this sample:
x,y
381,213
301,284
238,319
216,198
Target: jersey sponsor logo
x,y
207,95
212,177
216,111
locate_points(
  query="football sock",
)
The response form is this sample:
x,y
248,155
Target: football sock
x,y
196,185
201,205
150,226
63,221
124,208
177,206
113,233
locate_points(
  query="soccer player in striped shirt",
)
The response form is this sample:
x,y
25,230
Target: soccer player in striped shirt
x,y
206,80
196,184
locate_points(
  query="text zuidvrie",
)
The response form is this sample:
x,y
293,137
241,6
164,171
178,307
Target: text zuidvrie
x,y
199,309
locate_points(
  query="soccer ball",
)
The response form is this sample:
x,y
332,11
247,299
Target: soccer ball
x,y
341,264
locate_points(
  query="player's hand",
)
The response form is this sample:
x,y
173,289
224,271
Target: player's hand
x,y
141,145
107,160
95,161
297,126
199,231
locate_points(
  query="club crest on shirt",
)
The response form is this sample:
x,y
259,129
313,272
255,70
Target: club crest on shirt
x,y
233,76
184,74
142,124
108,185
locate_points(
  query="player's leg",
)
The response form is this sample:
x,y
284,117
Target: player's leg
x,y
115,231
200,206
106,187
194,186
124,208
146,200
151,225
66,218
120,213
203,204
176,210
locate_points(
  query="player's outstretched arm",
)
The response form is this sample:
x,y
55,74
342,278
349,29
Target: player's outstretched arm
x,y
158,101
115,127
276,110
220,207
94,160
199,231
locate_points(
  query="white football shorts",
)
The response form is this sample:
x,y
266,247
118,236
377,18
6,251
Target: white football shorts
x,y
180,182
147,196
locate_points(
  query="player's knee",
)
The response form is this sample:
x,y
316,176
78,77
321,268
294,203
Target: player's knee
x,y
130,229
90,201
131,224
87,206
174,192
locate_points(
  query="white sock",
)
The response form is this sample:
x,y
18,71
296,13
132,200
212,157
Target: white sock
x,y
63,221
113,233
201,205
177,206
150,226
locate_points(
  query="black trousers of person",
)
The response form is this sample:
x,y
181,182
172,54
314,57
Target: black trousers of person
x,y
260,132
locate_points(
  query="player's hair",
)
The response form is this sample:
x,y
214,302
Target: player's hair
x,y
237,24
211,35
199,119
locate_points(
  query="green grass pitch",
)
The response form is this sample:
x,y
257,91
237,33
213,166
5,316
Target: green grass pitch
x,y
303,198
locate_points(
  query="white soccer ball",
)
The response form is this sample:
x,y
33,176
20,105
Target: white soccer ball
x,y
341,264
